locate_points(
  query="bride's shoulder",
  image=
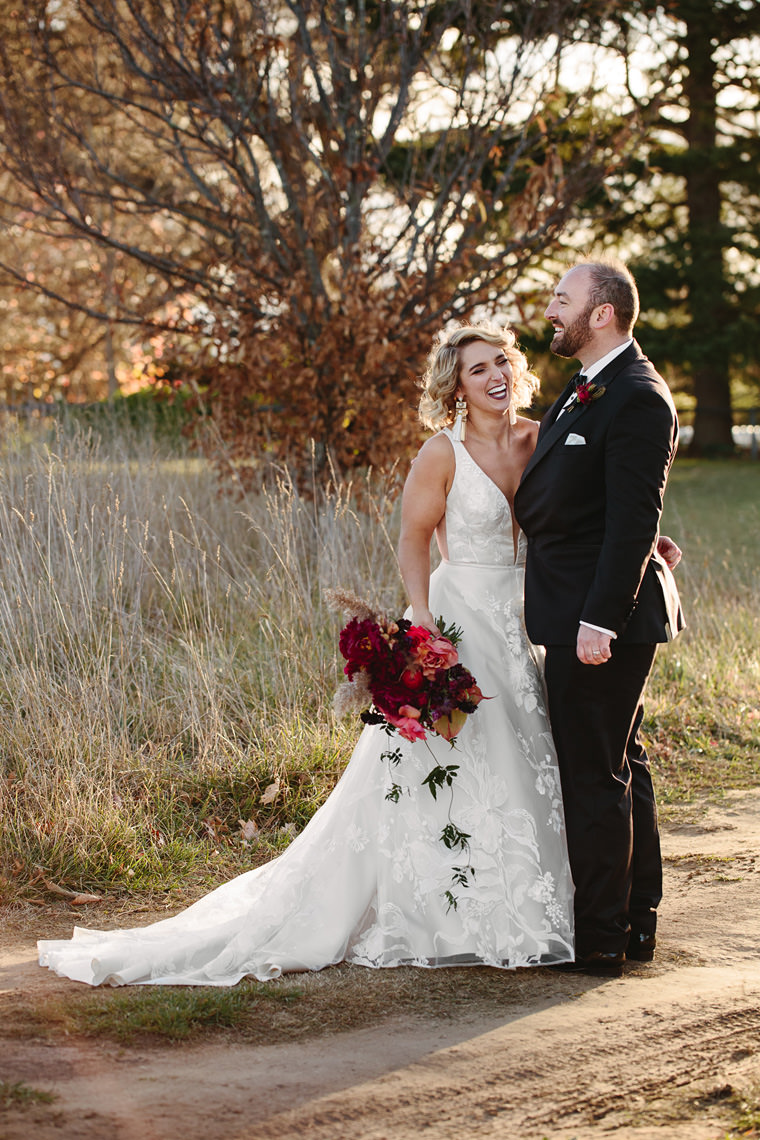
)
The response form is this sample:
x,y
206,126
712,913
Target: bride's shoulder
x,y
528,428
527,433
439,445
435,458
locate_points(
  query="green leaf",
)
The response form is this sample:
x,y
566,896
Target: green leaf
x,y
453,837
440,776
452,632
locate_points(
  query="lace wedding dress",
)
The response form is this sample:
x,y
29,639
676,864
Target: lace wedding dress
x,y
366,880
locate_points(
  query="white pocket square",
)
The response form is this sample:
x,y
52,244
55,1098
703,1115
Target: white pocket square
x,y
574,440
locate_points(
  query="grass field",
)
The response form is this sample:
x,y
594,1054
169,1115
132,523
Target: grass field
x,y
169,660
704,697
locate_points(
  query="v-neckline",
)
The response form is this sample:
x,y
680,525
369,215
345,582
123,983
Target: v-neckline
x,y
510,512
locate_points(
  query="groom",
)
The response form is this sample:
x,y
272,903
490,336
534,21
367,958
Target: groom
x,y
600,598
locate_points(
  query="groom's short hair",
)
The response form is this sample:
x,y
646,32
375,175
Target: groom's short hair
x,y
612,283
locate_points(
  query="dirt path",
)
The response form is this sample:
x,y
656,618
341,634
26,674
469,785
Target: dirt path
x,y
668,1052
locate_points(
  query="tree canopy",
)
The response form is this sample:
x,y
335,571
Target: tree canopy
x,y
285,200
297,194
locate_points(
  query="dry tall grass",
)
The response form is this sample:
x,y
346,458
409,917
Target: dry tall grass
x,y
166,651
168,659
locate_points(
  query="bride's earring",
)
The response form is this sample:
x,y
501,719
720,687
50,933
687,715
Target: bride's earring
x,y
512,413
460,419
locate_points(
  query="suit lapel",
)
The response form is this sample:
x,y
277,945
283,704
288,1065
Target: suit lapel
x,y
563,423
553,433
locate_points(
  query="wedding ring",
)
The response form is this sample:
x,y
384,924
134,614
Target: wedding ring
x,y
596,652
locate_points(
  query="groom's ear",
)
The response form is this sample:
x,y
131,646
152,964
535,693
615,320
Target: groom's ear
x,y
603,315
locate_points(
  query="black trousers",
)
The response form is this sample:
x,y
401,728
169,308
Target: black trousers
x,y
610,810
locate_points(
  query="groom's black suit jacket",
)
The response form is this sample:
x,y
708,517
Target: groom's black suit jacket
x,y
590,502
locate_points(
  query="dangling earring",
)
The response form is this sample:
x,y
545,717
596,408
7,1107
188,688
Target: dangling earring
x,y
460,420
512,414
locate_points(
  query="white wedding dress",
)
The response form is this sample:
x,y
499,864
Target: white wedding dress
x,y
366,880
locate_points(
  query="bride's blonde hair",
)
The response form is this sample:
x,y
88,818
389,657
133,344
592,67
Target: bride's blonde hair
x,y
441,378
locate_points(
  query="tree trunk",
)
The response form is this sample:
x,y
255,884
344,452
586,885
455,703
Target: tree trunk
x,y
705,272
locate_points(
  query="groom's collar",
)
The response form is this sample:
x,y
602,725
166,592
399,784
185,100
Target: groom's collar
x,y
595,368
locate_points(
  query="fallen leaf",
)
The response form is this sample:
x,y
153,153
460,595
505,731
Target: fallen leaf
x,y
270,793
76,898
248,830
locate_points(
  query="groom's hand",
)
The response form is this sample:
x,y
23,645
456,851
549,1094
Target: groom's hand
x,y
669,551
593,647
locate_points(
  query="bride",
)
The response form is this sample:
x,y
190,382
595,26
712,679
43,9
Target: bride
x,y
369,879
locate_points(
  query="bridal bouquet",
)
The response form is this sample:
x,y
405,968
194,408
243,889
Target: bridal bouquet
x,y
402,675
411,681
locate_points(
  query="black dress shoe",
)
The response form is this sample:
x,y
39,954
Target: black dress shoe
x,y
600,963
640,947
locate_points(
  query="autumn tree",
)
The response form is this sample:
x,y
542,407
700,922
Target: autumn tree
x,y
64,332
315,187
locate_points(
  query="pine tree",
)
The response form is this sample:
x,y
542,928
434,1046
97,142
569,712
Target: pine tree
x,y
691,201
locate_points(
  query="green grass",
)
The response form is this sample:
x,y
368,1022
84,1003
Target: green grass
x,y
292,1008
171,1014
747,1125
19,1095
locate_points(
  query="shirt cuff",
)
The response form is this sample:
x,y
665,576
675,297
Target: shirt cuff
x,y
599,629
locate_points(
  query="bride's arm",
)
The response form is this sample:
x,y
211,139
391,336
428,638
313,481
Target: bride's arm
x,y
423,507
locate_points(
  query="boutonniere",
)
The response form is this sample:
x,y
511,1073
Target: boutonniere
x,y
585,393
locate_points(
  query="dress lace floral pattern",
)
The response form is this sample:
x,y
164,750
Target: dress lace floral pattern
x,y
366,879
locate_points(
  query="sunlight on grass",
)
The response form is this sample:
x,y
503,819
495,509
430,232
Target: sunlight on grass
x,y
294,1007
703,714
169,1013
169,660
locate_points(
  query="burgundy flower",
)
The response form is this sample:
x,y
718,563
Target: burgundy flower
x,y
360,642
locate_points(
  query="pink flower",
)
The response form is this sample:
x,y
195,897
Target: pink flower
x,y
438,653
407,721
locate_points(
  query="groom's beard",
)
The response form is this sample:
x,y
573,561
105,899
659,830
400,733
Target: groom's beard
x,y
572,339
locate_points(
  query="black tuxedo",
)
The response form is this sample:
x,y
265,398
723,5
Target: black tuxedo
x,y
591,512
590,502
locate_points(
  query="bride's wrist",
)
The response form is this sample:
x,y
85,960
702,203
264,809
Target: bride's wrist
x,y
421,615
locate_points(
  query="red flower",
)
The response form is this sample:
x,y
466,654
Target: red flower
x,y
417,635
413,678
585,393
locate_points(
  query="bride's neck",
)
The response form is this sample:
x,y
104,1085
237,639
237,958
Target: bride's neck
x,y
497,432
